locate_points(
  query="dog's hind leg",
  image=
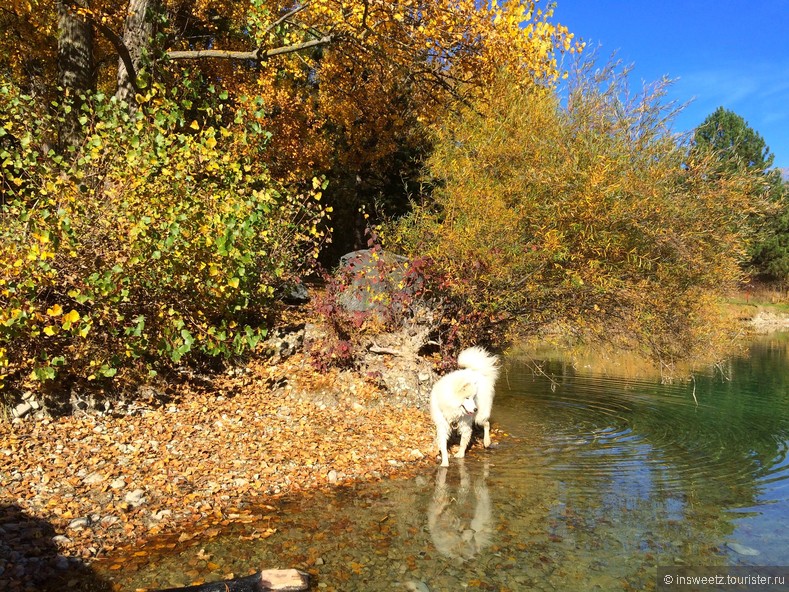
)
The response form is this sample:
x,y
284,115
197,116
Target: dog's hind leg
x,y
465,437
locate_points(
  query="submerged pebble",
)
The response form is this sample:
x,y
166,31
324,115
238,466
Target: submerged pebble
x,y
742,549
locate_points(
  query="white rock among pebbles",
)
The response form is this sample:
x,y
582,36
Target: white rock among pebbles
x,y
135,498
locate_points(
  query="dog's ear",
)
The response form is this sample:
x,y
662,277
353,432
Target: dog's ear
x,y
467,390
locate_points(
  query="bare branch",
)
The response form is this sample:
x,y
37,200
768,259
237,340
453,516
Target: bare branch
x,y
122,50
286,16
325,40
255,55
377,349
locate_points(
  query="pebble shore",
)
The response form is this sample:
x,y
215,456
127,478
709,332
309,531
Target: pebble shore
x,y
76,488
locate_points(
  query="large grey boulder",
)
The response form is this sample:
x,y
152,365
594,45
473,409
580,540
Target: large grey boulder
x,y
377,282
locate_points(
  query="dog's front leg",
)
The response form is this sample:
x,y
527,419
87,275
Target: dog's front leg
x,y
442,435
465,437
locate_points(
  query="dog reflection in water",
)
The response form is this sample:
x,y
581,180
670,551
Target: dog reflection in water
x,y
459,517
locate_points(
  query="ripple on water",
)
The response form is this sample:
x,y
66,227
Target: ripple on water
x,y
587,427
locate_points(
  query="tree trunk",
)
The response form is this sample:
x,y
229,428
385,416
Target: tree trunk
x,y
137,37
75,66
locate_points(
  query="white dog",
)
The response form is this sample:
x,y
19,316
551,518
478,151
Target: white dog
x,y
464,397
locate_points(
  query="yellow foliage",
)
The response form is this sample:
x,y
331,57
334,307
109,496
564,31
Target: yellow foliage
x,y
591,215
124,269
390,67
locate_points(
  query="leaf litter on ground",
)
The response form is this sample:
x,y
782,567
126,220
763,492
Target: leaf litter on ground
x,y
104,481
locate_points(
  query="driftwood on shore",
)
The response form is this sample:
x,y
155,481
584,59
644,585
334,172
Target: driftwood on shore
x,y
268,580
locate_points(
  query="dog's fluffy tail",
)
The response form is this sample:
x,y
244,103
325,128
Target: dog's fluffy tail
x,y
478,359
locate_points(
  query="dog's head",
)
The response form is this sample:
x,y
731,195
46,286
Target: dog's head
x,y
469,405
467,393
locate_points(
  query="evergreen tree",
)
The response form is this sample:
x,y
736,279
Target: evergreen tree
x,y
738,147
736,143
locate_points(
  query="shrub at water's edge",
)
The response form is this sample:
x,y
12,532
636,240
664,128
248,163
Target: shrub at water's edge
x,y
159,241
590,215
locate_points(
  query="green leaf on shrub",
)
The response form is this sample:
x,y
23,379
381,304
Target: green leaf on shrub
x,y
108,371
187,337
43,373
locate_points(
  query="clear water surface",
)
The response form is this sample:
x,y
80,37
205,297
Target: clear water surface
x,y
600,480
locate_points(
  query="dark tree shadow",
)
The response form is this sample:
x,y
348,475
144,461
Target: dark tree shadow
x,y
29,558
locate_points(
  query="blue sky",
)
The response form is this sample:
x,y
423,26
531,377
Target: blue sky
x,y
718,52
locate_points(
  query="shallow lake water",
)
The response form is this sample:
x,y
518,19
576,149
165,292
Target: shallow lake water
x,y
600,479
